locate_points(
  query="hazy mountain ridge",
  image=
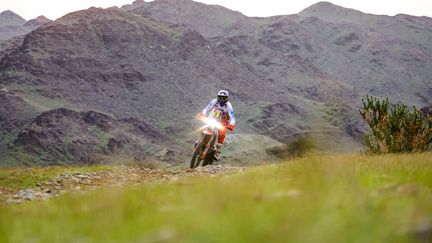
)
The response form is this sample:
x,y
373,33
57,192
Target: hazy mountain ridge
x,y
208,20
162,61
12,25
9,18
38,21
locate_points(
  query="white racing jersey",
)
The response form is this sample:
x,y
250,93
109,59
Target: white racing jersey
x,y
226,109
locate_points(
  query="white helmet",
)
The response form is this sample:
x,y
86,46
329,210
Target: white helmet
x,y
223,96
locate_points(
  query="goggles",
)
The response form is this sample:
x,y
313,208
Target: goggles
x,y
223,98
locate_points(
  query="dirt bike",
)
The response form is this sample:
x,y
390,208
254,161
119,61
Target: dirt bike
x,y
204,147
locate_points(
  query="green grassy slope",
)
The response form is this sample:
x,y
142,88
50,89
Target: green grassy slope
x,y
15,179
344,198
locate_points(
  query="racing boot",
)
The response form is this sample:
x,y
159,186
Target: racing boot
x,y
217,151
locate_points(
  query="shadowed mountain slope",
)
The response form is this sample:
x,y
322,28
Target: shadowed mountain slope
x,y
62,135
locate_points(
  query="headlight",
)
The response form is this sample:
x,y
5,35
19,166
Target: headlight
x,y
213,123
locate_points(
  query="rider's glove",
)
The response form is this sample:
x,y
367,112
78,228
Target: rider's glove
x,y
200,115
230,127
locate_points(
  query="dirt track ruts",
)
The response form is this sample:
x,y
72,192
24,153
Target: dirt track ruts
x,y
121,176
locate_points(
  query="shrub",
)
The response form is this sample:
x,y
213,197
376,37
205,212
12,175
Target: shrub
x,y
395,128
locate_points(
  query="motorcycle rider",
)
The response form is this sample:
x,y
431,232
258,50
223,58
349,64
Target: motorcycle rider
x,y
228,119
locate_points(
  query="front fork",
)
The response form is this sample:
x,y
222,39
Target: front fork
x,y
207,137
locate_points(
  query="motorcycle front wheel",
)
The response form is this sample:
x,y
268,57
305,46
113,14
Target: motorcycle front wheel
x,y
196,160
209,159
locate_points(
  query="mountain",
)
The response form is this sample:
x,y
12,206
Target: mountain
x,y
208,20
161,62
326,53
9,18
14,26
124,65
39,21
136,4
383,52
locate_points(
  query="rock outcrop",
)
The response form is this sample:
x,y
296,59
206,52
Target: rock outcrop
x,y
62,135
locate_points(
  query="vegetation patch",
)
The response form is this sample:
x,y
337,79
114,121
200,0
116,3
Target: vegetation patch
x,y
20,178
340,198
395,128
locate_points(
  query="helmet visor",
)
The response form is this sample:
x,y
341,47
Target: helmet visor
x,y
222,98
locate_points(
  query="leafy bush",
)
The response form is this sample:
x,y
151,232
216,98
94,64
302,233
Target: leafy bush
x,y
395,128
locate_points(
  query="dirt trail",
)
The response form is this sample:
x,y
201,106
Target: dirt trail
x,y
121,176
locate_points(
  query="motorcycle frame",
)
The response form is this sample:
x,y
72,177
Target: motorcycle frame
x,y
208,135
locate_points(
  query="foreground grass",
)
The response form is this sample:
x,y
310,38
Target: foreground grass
x,y
320,199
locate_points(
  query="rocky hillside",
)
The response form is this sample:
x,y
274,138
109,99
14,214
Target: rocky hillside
x,y
63,135
427,110
160,62
125,65
313,47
